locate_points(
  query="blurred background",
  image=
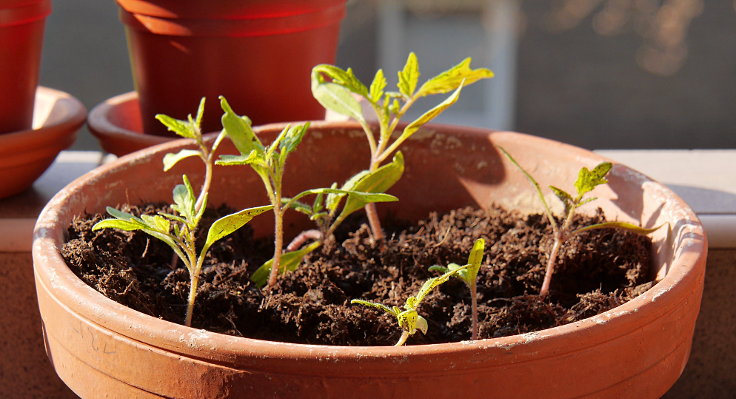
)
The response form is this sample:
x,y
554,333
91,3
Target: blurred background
x,y
600,74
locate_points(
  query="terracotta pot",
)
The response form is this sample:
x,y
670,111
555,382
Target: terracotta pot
x,y
257,53
26,154
636,350
21,38
116,123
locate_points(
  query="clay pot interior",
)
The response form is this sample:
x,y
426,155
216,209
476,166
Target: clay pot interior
x,y
642,345
26,154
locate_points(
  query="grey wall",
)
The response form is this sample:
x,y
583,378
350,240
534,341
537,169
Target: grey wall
x,y
586,89
85,54
84,50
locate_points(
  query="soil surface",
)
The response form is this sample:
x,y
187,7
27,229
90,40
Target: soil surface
x,y
597,270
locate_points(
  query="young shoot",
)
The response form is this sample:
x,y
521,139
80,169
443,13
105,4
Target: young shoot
x,y
269,161
408,318
361,189
178,231
190,129
336,89
587,181
469,274
328,211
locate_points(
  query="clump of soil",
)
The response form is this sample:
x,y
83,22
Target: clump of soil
x,y
597,270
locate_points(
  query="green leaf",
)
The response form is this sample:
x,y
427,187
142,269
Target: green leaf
x,y
427,287
200,112
318,203
394,107
184,200
292,138
438,268
297,206
228,224
589,179
376,305
367,197
173,217
172,159
476,254
619,225
412,128
430,284
128,222
377,86
239,130
181,128
409,76
157,223
562,195
333,200
468,273
290,261
120,224
408,320
218,140
340,77
421,324
337,98
378,181
453,78
254,159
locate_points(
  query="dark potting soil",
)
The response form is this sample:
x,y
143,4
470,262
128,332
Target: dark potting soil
x,y
597,270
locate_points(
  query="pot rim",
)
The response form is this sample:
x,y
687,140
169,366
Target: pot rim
x,y
18,12
240,20
225,9
660,300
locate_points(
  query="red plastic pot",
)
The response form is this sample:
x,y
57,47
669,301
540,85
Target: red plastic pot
x,y
636,350
257,53
21,38
26,154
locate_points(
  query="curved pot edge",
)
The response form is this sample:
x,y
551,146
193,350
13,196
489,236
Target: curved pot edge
x,y
44,249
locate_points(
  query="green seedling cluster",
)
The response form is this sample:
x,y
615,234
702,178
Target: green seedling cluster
x,y
269,163
469,274
178,230
340,91
408,318
587,181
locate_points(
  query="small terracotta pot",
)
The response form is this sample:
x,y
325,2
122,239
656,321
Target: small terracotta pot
x,y
26,154
116,123
21,38
257,53
636,350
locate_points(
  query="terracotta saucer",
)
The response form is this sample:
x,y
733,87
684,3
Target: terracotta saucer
x,y
116,122
26,154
